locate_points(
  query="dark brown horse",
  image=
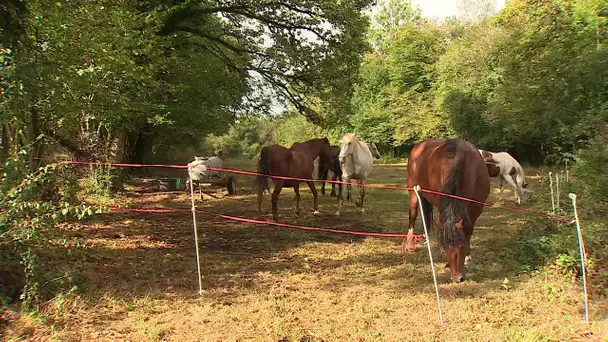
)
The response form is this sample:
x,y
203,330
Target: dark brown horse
x,y
335,169
454,167
296,162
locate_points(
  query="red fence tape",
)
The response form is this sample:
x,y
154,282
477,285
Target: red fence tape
x,y
251,173
522,211
287,225
408,242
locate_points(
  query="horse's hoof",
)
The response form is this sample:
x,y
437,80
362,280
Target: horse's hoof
x,y
298,213
468,260
337,213
447,269
362,211
316,213
333,194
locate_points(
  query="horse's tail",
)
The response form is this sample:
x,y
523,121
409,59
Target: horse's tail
x,y
453,210
264,169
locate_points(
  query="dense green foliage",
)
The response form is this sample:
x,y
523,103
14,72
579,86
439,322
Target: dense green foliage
x,y
530,80
128,80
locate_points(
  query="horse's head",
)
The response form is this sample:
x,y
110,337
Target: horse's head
x,y
374,150
456,255
346,147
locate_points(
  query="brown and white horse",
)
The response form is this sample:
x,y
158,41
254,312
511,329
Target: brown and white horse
x,y
504,166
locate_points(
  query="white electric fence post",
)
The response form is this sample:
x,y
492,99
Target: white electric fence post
x,y
581,247
551,191
198,260
557,195
428,245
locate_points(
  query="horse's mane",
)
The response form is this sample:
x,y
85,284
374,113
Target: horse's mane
x,y
453,210
308,142
353,138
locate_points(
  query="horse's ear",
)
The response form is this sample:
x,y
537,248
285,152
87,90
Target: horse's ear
x,y
524,185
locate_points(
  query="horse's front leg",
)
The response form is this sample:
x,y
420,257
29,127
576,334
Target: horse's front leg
x,y
278,186
502,187
323,176
333,185
413,215
467,251
313,189
511,182
296,189
359,202
345,179
349,188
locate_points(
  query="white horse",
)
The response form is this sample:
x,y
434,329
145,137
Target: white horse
x,y
198,171
508,169
356,159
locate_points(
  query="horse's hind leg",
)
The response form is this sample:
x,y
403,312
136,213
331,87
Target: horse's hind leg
x,y
260,191
296,189
313,189
278,186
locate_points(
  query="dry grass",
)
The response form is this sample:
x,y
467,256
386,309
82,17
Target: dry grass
x,y
263,283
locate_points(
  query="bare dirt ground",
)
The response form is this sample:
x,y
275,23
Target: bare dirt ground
x,y
265,283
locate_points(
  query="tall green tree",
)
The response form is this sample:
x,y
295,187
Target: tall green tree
x,y
126,79
527,80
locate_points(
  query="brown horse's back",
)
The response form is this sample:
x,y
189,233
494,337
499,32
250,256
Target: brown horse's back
x,y
430,164
288,163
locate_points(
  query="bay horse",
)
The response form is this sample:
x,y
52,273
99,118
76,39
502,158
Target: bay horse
x,y
504,166
454,167
335,169
297,162
356,160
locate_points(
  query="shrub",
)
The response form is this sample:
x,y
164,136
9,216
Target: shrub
x,y
27,214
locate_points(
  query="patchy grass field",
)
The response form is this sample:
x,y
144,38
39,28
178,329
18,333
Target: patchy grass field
x,y
264,283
